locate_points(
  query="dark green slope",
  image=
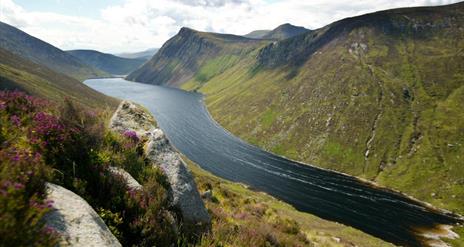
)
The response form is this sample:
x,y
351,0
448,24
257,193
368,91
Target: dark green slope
x,y
38,51
24,75
106,62
182,56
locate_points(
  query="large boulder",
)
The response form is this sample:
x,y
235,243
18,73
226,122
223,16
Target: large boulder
x,y
76,221
184,195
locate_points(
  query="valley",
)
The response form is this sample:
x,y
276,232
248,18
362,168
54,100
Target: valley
x,y
349,134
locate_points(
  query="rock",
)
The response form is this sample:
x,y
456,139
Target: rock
x,y
185,196
183,192
207,195
130,181
129,116
76,220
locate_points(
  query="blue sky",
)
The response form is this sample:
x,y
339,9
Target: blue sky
x,y
133,25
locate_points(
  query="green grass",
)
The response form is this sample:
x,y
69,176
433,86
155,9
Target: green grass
x,y
323,112
236,206
17,73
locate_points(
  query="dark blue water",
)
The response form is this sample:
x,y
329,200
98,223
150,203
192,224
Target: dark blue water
x,y
329,195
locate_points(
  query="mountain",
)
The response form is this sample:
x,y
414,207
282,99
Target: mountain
x,y
21,74
281,32
38,51
145,55
257,34
106,62
285,31
377,96
183,55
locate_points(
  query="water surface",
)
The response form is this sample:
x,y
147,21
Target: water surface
x,y
329,195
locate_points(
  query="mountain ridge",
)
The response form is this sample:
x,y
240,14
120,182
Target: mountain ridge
x,y
109,63
194,48
31,48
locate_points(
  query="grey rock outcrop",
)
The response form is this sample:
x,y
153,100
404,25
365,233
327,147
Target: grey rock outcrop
x,y
184,195
76,220
129,116
130,181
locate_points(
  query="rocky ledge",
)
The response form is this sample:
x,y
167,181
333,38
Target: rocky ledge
x,y
184,196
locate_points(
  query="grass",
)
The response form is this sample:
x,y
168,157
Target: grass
x,y
243,217
404,91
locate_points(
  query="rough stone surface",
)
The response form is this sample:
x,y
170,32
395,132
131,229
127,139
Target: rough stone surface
x,y
184,195
76,220
129,116
130,181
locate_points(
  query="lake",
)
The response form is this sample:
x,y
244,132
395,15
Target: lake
x,y
330,195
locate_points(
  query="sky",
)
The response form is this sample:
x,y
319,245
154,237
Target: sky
x,y
116,26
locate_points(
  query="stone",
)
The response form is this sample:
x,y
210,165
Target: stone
x,y
74,219
183,193
130,181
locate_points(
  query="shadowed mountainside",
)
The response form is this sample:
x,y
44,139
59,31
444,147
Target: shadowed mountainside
x,y
38,51
106,62
24,75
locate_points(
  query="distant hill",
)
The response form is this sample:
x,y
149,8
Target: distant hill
x,y
38,51
257,34
285,31
181,56
106,62
21,74
144,55
281,32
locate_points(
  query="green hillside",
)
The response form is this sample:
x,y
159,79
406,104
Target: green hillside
x,y
28,47
18,73
378,96
106,62
192,53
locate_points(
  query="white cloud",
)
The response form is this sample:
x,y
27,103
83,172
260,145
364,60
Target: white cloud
x,y
139,24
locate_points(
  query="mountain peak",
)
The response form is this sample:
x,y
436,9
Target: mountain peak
x,y
187,31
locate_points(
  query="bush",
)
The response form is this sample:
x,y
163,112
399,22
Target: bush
x,y
22,176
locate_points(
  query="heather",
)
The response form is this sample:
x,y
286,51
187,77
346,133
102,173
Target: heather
x,y
67,144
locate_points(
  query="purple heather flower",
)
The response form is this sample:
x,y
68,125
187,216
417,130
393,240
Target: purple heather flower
x,y
15,120
131,135
19,186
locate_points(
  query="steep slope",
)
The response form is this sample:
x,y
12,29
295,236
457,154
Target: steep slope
x,y
106,62
182,56
257,34
144,55
19,73
38,51
377,96
284,31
